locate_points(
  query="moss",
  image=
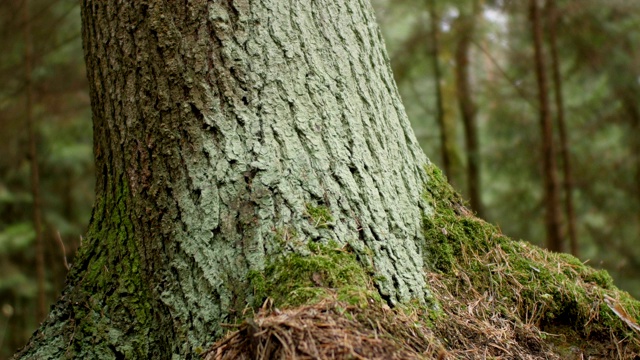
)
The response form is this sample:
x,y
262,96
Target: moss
x,y
547,289
449,227
111,289
320,216
285,236
482,279
599,277
295,279
358,296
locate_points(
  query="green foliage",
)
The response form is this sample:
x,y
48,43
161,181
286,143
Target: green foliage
x,y
16,237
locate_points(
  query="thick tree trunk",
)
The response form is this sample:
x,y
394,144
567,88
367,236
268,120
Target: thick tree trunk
x,y
221,130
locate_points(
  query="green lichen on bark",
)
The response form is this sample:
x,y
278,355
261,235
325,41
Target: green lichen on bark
x,y
109,304
105,312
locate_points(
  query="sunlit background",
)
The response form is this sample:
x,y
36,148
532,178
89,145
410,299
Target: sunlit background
x,y
459,65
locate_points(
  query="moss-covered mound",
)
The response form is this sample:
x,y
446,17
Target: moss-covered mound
x,y
496,298
511,285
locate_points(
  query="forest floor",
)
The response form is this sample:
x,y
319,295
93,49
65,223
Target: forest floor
x,y
491,298
471,326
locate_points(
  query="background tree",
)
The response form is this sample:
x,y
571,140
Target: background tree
x,y
33,159
553,220
552,18
447,130
466,26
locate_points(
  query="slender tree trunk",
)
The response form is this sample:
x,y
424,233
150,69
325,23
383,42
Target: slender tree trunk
x,y
551,188
466,26
445,140
219,129
552,17
41,309
629,97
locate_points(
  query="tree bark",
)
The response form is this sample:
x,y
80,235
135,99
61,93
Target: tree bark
x,y
219,126
551,188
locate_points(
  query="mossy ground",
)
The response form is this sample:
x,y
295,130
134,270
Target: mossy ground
x,y
497,298
514,286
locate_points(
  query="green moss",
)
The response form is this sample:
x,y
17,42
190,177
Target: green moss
x,y
547,289
320,216
448,228
112,293
295,279
358,296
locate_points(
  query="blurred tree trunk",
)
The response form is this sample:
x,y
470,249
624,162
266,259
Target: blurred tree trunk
x,y
629,99
219,127
466,24
552,16
33,159
446,139
551,189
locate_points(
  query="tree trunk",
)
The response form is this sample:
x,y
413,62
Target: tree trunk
x,y
41,309
551,188
552,17
221,130
466,26
445,138
628,96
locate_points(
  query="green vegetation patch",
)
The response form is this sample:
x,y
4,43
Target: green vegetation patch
x,y
497,298
494,277
320,216
296,279
112,291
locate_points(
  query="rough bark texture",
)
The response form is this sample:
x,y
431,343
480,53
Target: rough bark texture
x,y
220,128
